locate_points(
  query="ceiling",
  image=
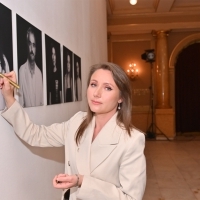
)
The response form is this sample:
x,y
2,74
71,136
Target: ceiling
x,y
149,15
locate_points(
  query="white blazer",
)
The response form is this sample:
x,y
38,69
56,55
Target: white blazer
x,y
113,165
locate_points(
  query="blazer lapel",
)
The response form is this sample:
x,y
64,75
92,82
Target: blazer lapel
x,y
83,150
105,142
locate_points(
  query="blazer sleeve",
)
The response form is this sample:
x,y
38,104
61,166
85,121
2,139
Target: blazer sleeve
x,y
132,177
35,135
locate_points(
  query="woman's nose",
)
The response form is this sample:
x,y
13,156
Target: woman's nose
x,y
97,92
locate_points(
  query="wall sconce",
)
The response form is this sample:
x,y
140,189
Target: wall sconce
x,y
132,72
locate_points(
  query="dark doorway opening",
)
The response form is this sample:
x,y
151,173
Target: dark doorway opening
x,y
187,90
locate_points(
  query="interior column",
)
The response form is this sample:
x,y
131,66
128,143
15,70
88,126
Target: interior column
x,y
164,114
162,70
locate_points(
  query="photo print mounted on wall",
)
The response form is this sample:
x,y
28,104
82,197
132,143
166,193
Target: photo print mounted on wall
x,y
29,52
68,75
6,46
53,71
77,78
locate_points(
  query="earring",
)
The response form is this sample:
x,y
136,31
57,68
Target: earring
x,y
119,107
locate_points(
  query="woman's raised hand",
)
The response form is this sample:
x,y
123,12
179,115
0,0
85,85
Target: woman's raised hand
x,y
7,89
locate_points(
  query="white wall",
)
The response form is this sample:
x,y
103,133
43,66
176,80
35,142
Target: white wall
x,y
26,172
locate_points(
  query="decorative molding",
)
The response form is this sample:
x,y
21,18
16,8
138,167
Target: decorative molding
x,y
180,46
127,38
148,27
141,109
141,92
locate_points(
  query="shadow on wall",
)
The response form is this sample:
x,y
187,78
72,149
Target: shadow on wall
x,y
51,153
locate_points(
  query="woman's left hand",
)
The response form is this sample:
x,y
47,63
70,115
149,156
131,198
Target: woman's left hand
x,y
65,181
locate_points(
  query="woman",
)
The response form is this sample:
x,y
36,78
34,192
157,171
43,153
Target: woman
x,y
78,85
4,67
103,151
54,80
68,81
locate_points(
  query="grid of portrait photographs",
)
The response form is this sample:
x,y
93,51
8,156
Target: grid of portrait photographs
x,y
63,79
6,48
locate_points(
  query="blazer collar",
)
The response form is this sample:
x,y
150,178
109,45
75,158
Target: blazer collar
x,y
91,155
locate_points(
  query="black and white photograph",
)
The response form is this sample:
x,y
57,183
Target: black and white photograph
x,y
29,50
6,47
77,78
68,75
53,69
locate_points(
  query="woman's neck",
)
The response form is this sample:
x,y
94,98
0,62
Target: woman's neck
x,y
100,121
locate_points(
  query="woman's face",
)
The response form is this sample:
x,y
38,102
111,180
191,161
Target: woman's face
x,y
53,56
103,94
68,63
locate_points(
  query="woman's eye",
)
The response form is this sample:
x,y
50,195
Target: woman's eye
x,y
108,88
93,84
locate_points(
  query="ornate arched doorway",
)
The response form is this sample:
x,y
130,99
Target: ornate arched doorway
x,y
187,89
185,68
